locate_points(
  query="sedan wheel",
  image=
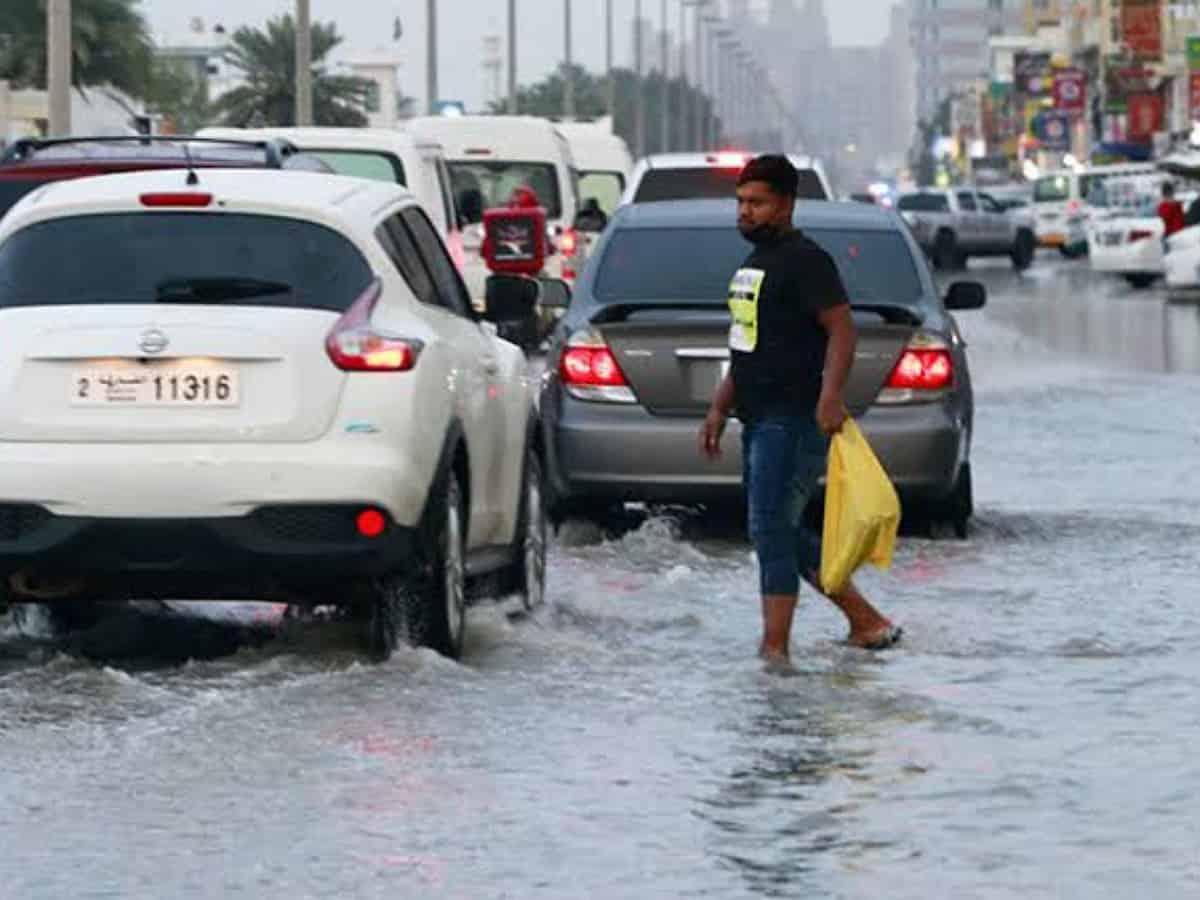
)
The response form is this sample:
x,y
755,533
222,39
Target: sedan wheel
x,y
534,534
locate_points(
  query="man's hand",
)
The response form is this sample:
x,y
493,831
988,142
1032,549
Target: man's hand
x,y
831,413
711,432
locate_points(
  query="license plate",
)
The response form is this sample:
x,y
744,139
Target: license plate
x,y
1112,238
176,386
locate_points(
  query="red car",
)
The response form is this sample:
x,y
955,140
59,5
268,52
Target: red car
x,y
31,162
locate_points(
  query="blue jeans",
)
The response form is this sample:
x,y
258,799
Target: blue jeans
x,y
784,458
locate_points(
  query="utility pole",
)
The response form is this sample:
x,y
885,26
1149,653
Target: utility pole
x,y
639,97
611,102
512,57
683,77
58,62
431,54
664,103
698,95
568,79
304,93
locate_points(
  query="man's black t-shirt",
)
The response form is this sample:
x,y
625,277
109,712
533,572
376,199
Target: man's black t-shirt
x,y
777,344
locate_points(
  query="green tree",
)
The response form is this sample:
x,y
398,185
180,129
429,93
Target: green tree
x,y
177,95
545,98
111,44
267,61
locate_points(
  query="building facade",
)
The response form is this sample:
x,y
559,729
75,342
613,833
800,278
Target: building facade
x,y
950,40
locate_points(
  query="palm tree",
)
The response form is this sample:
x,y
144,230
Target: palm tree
x,y
267,61
112,44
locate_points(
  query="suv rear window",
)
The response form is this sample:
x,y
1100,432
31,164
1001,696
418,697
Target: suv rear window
x,y
199,258
13,189
1052,189
707,184
667,265
368,164
923,203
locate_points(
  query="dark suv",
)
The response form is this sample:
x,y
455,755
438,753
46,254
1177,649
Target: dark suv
x,y
31,162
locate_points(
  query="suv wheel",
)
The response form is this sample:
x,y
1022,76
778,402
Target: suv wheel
x,y
428,606
946,255
528,575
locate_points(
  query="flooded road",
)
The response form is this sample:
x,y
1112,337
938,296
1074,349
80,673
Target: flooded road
x,y
1034,736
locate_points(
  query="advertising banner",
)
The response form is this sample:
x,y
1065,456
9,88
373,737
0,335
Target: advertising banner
x,y
1194,95
1054,130
1141,29
1070,90
1145,115
1032,75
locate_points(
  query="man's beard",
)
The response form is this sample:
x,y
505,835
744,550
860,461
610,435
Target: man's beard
x,y
762,234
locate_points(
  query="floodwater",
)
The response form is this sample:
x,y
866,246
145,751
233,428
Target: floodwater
x,y
1033,737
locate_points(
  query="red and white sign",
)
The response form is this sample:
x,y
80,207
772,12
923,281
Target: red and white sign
x,y
1070,90
1141,28
1194,92
1145,115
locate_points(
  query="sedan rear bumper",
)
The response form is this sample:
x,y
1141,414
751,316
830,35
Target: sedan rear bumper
x,y
613,453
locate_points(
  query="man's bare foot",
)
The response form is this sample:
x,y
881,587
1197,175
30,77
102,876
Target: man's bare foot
x,y
777,664
877,639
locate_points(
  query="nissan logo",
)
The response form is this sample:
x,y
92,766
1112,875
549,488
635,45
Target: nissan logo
x,y
153,341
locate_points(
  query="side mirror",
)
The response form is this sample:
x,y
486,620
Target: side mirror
x,y
555,294
965,295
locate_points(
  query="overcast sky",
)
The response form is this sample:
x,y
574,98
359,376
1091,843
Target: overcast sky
x,y
367,25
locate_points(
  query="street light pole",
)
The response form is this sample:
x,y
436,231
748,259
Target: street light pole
x,y
664,103
639,96
304,94
608,61
58,63
698,95
568,80
512,57
683,76
431,54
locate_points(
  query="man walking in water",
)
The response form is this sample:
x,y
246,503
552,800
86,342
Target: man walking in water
x,y
792,345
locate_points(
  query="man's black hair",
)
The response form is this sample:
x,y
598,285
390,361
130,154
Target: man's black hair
x,y
1168,189
774,170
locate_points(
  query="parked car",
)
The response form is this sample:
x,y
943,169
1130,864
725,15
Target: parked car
x,y
395,157
1062,204
258,385
955,224
633,363
30,163
1126,234
489,157
695,176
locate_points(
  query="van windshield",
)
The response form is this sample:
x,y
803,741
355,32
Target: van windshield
x,y
1052,189
487,184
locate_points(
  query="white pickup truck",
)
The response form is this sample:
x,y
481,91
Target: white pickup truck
x,y
955,224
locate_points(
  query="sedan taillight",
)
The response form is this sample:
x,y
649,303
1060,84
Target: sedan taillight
x,y
589,370
354,346
924,372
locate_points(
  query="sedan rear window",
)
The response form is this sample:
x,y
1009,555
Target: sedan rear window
x,y
199,258
708,184
667,265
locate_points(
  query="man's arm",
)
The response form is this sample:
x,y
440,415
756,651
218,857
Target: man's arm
x,y
838,323
718,414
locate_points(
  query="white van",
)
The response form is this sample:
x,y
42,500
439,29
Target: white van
x,y
1061,213
380,155
489,157
602,159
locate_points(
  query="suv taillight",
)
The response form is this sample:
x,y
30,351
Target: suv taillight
x,y
924,372
354,346
589,370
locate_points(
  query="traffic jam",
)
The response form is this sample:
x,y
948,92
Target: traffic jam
x,y
449,510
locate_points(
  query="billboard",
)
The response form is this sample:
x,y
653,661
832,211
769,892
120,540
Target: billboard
x,y
1141,29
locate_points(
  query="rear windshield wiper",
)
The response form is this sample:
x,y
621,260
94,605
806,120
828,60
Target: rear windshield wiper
x,y
210,290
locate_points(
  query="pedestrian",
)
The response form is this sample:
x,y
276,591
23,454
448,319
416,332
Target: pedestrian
x,y
791,345
1170,211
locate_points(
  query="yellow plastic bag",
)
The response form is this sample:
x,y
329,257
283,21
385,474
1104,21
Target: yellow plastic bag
x,y
862,511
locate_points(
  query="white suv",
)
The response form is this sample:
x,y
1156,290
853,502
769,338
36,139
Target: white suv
x,y
258,385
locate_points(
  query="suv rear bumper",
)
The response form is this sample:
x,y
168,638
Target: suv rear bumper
x,y
615,453
267,554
